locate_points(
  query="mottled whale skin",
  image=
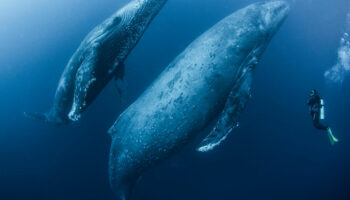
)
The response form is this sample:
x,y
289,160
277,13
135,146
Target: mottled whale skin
x,y
192,91
98,59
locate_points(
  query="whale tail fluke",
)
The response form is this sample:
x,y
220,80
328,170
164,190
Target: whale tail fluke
x,y
46,117
36,115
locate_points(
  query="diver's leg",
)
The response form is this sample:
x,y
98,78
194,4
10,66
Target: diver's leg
x,y
316,122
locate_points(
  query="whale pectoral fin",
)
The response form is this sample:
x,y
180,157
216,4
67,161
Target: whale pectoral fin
x,y
84,79
120,83
235,104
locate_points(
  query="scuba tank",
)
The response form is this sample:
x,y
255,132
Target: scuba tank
x,y
322,110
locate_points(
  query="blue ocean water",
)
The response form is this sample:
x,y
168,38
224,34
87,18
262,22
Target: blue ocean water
x,y
274,154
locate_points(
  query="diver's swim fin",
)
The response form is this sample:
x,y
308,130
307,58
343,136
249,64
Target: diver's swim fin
x,y
332,138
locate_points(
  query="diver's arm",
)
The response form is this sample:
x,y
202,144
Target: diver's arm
x,y
311,101
308,102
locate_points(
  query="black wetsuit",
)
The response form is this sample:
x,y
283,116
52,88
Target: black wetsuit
x,y
315,111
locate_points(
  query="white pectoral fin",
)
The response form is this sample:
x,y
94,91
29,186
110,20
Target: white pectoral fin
x,y
84,79
235,104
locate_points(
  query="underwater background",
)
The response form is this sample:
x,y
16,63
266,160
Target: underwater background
x,y
275,153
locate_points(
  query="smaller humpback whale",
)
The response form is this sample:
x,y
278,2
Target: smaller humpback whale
x,y
98,59
212,76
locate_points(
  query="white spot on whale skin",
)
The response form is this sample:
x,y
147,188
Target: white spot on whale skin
x,y
268,18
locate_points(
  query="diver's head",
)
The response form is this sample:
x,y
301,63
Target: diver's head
x,y
313,92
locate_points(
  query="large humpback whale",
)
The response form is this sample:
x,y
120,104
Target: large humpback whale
x,y
210,78
98,59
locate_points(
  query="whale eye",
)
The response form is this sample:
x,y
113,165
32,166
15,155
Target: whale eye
x,y
117,20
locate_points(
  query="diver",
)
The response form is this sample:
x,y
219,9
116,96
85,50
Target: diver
x,y
316,109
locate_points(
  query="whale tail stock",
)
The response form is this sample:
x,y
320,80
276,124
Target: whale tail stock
x,y
122,186
123,193
123,174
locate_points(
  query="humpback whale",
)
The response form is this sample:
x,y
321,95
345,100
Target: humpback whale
x,y
210,78
98,59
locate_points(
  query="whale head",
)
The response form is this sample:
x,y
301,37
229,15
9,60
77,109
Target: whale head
x,y
273,14
242,37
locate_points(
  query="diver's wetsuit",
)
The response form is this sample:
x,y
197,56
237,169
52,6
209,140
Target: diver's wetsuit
x,y
315,111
